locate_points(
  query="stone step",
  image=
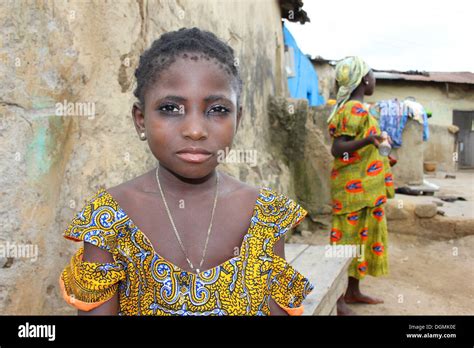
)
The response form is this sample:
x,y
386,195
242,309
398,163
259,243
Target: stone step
x,y
327,274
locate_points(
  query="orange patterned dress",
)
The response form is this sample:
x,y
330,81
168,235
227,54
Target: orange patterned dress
x,y
361,183
148,284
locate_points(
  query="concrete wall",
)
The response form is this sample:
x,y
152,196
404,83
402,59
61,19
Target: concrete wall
x,y
440,98
86,52
409,168
440,148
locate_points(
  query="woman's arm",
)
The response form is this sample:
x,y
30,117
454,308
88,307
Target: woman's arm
x,y
94,254
345,144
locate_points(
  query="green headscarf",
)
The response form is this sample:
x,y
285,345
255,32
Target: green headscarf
x,y
349,73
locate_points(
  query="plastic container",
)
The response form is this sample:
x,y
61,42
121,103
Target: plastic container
x,y
384,147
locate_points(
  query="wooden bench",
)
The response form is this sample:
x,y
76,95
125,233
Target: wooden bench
x,y
327,274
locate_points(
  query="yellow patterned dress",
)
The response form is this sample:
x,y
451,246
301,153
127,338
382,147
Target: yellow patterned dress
x,y
361,182
150,285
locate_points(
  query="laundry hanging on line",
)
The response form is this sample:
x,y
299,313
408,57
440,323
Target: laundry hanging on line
x,y
418,113
393,115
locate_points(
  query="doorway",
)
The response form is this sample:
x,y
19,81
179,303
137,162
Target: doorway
x,y
465,137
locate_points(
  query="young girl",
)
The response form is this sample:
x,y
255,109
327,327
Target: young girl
x,y
184,238
361,179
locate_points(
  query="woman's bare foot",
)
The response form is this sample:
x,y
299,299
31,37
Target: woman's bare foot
x,y
354,295
343,308
360,298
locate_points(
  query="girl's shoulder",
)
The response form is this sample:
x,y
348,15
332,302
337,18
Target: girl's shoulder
x,y
238,190
271,207
128,189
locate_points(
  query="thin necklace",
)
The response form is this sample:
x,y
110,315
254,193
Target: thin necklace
x,y
197,270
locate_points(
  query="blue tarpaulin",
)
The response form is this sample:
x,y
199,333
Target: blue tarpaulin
x,y
305,83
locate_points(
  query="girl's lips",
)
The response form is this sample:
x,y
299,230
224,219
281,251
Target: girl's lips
x,y
194,157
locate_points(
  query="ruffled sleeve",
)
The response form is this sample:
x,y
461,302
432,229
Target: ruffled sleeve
x,y
288,287
86,285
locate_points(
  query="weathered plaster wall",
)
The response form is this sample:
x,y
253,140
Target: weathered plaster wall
x,y
305,149
86,52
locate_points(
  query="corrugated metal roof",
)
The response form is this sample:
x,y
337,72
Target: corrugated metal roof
x,y
452,77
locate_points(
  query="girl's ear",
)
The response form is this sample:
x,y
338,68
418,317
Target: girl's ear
x,y
239,117
138,115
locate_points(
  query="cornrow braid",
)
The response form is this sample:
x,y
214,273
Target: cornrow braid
x,y
167,47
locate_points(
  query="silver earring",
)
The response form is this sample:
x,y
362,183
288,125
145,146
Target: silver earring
x,y
142,136
366,82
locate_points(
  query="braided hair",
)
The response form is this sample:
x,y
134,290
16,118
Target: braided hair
x,y
164,51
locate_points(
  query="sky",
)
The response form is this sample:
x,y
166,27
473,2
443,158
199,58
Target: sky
x,y
436,35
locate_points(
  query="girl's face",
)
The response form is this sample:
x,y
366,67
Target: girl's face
x,y
191,114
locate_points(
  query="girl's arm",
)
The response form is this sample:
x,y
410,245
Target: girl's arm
x,y
94,254
345,144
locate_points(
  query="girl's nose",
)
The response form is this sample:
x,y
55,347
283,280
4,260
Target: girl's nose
x,y
195,125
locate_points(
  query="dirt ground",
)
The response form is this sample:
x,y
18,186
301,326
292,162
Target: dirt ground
x,y
425,277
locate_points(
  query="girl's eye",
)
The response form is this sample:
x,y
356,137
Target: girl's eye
x,y
169,108
219,109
